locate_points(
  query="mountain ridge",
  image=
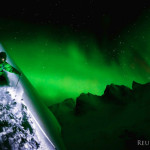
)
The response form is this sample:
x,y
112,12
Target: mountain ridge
x,y
119,117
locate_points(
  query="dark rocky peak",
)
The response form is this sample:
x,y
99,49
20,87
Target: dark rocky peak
x,y
67,106
69,103
114,94
86,102
117,94
136,85
141,92
142,87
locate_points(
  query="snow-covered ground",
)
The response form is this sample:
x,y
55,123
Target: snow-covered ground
x,y
18,129
21,127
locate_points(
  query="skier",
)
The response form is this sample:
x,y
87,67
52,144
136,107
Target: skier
x,y
5,66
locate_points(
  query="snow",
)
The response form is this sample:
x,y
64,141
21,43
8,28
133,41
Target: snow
x,y
20,125
17,130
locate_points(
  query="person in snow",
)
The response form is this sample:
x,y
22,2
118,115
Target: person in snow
x,y
7,67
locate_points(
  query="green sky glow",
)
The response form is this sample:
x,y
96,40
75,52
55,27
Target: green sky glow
x,y
60,68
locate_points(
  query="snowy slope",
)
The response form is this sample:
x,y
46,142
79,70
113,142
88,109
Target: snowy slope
x,y
17,130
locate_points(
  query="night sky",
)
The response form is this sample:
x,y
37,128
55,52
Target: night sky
x,y
98,17
69,47
102,19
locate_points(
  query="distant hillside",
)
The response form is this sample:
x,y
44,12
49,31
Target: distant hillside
x,y
114,121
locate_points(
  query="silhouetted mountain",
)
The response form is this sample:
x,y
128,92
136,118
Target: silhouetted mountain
x,y
117,120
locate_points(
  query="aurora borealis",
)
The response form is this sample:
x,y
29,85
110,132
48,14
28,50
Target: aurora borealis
x,y
62,64
61,68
